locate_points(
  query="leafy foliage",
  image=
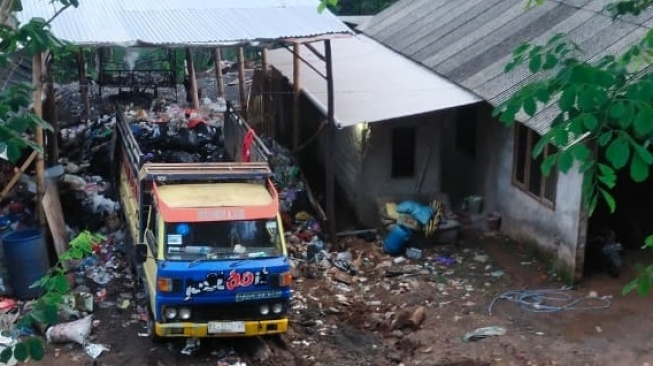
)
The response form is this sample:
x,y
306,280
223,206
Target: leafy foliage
x,y
355,7
46,309
16,40
604,120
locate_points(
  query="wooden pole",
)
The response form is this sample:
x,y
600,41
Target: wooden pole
x,y
296,132
83,83
241,82
38,110
217,59
50,112
329,160
192,78
265,99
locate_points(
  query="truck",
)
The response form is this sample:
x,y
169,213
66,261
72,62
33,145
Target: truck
x,y
208,240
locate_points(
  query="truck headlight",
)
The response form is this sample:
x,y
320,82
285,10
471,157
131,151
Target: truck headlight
x,y
184,313
277,308
170,312
264,309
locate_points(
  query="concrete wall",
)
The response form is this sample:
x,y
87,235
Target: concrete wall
x,y
556,230
376,181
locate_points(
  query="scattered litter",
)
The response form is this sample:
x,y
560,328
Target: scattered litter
x,y
77,331
554,300
481,258
192,345
481,333
94,349
496,274
414,253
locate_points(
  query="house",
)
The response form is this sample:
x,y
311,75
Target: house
x,y
390,113
469,42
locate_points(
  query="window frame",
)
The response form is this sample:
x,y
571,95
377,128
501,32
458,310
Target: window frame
x,y
528,159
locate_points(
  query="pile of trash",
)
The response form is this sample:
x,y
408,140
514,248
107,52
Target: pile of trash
x,y
169,133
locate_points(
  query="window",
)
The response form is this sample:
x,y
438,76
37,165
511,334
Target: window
x,y
527,174
466,130
403,152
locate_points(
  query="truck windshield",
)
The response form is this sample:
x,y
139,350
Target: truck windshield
x,y
222,240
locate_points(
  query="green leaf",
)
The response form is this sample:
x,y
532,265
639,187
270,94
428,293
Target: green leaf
x,y
606,170
561,137
609,200
605,138
639,170
648,243
581,152
643,285
530,106
550,61
536,63
6,355
643,153
590,122
36,348
617,110
20,352
644,121
547,164
521,49
567,99
608,180
565,161
61,284
618,153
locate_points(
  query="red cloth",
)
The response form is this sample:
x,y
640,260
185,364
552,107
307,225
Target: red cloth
x,y
247,145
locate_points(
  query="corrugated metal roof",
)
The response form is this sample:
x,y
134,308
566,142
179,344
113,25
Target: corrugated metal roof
x,y
470,41
183,23
371,82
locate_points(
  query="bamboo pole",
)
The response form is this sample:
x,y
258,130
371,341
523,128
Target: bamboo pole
x,y
192,79
329,159
219,80
83,83
296,64
241,82
37,65
50,112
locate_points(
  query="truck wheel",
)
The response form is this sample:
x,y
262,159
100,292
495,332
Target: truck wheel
x,y
150,328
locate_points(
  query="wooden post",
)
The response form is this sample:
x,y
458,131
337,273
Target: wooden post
x,y
50,112
217,60
83,83
192,78
241,82
296,85
264,60
329,159
37,65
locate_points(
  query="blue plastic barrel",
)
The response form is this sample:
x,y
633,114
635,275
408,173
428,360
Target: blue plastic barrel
x,y
26,257
395,241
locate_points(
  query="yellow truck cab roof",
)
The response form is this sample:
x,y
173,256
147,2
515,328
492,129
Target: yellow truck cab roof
x,y
198,202
214,195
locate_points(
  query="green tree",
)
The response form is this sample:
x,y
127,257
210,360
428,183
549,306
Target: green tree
x,y
605,112
16,120
355,7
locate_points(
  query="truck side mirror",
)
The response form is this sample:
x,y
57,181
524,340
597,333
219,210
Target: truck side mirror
x,y
141,253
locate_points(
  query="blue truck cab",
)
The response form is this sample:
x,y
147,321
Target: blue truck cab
x,y
208,243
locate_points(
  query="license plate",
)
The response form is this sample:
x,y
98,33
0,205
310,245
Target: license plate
x,y
226,327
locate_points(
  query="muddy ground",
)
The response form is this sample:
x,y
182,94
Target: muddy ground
x,y
365,322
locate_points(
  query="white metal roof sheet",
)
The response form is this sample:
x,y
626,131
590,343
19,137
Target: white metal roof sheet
x,y
183,23
372,83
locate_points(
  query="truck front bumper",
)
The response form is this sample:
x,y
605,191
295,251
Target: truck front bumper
x,y
189,329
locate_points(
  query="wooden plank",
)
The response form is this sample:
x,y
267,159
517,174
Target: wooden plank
x,y
17,174
217,58
54,213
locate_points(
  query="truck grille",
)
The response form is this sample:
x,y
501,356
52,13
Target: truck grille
x,y
205,313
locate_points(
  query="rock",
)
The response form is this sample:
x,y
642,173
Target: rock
x,y
418,317
409,344
397,333
393,356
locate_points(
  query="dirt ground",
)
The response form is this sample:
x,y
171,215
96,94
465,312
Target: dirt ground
x,y
363,320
